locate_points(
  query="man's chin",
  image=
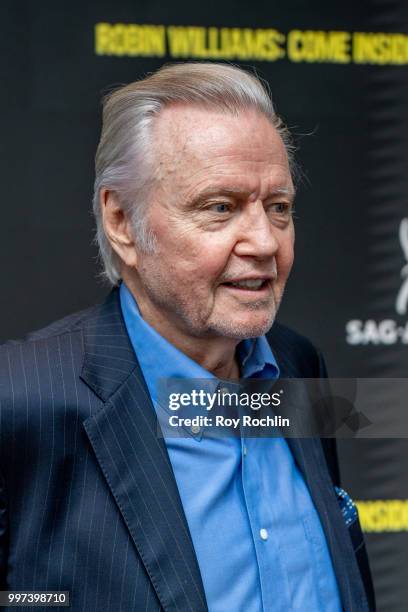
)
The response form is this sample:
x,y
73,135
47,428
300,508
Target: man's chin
x,y
241,328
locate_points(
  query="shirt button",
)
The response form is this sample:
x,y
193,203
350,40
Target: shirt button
x,y
245,451
264,534
195,429
224,390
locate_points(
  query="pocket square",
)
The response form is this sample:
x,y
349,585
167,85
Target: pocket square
x,y
347,506
352,522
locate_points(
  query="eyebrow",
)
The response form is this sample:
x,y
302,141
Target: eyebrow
x,y
237,192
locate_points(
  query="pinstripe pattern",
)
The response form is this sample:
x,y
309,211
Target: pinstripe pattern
x,y
88,500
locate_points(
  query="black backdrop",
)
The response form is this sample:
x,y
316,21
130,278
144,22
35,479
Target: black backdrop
x,y
345,96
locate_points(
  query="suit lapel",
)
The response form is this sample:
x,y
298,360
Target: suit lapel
x,y
135,463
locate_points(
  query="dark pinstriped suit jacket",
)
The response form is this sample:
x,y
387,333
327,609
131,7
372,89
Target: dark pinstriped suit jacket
x,y
88,500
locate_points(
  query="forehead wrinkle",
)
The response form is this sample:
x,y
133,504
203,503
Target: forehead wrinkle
x,y
220,166
179,159
180,138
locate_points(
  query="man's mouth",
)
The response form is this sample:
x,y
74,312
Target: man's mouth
x,y
250,284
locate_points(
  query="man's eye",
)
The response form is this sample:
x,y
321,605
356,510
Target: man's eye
x,y
220,207
280,207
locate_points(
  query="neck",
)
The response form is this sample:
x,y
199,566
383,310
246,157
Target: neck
x,y
221,365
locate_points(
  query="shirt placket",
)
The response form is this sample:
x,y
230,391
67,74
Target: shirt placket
x,y
272,577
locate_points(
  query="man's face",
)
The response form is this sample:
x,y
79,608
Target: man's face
x,y
221,213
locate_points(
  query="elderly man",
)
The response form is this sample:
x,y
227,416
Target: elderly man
x,y
193,204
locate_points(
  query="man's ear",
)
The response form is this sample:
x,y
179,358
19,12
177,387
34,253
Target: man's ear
x,y
117,227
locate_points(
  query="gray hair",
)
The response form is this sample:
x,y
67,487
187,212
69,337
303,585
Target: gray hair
x,y
124,159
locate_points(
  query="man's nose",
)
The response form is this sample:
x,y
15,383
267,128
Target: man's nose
x,y
257,237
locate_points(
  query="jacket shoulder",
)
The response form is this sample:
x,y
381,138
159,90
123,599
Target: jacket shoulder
x,y
290,337
69,323
296,355
24,362
39,375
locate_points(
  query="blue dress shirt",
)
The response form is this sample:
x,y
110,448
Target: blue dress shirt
x,y
256,533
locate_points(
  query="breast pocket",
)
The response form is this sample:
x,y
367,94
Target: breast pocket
x,y
356,535
350,516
